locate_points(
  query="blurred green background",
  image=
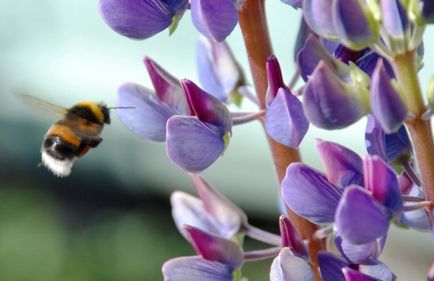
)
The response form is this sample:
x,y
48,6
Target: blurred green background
x,y
110,220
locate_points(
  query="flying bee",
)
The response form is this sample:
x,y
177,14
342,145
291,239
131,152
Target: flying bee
x,y
77,131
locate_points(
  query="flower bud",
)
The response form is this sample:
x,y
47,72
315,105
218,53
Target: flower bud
x,y
386,104
329,103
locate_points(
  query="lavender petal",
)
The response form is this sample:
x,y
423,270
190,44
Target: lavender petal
x,y
308,193
192,144
148,117
359,219
214,19
285,121
196,269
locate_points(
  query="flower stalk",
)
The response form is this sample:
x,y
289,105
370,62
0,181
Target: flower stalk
x,y
252,20
419,128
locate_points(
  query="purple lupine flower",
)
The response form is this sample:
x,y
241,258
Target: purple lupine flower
x,y
195,125
386,103
211,212
140,19
285,121
390,147
330,103
372,207
361,215
219,72
214,19
148,119
211,224
287,267
195,142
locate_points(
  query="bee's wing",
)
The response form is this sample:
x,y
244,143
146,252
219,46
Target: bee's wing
x,y
42,105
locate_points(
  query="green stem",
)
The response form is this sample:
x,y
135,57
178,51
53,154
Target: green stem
x,y
258,45
419,129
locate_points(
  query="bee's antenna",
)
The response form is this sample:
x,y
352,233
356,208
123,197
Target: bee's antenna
x,y
121,107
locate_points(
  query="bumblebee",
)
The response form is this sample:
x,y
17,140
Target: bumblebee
x,y
77,131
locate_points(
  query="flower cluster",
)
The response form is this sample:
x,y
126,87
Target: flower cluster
x,y
358,59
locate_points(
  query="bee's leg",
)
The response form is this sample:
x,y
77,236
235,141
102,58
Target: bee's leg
x,y
92,142
87,144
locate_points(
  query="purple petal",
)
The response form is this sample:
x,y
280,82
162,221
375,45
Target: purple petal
x,y
387,146
359,219
368,62
319,16
148,117
308,193
378,270
137,19
206,107
397,144
310,56
394,17
386,104
192,144
328,102
214,248
189,210
358,254
219,72
375,138
346,55
167,88
354,275
331,266
196,269
428,10
303,34
342,165
214,19
228,216
291,238
285,121
417,219
274,77
294,3
354,24
286,267
382,181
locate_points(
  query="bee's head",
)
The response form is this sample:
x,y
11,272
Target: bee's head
x,y
106,112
